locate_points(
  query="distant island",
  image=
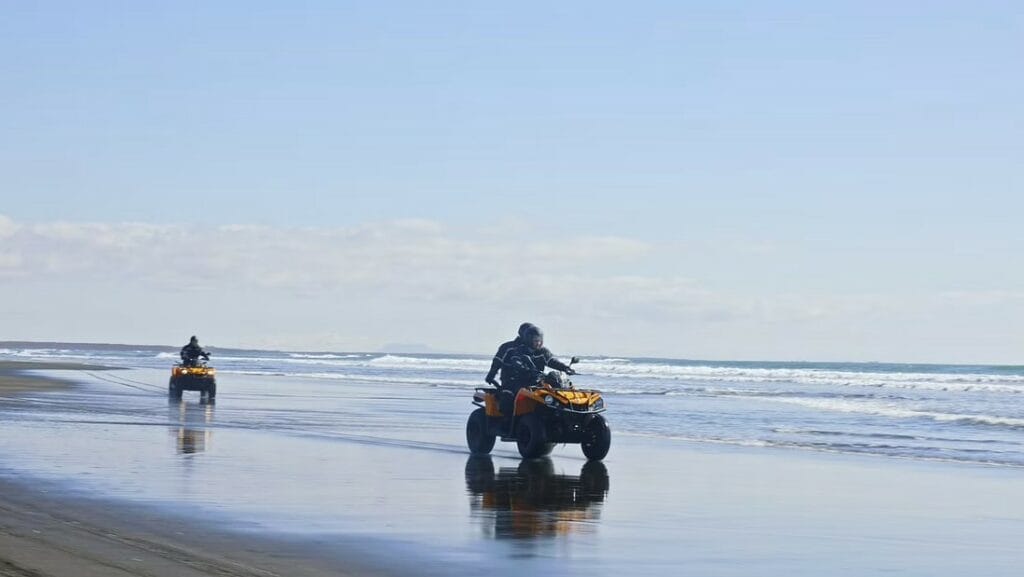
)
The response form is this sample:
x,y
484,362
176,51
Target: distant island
x,y
408,348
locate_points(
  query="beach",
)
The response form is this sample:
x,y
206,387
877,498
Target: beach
x,y
17,376
294,475
44,532
531,289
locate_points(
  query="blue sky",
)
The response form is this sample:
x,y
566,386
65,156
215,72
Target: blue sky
x,y
757,180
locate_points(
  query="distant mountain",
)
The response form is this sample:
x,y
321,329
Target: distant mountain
x,y
416,348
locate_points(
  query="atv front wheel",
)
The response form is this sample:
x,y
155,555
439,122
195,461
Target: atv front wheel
x,y
478,438
173,391
597,439
531,437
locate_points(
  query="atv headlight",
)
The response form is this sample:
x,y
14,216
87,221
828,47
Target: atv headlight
x,y
549,401
598,405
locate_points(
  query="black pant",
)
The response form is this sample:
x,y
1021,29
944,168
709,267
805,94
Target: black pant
x,y
507,399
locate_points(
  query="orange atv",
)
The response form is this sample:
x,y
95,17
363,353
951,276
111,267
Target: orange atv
x,y
193,377
550,412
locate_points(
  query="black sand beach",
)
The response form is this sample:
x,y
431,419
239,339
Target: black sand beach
x,y
45,532
15,376
306,499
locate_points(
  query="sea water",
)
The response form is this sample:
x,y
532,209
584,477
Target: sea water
x,y
716,468
964,413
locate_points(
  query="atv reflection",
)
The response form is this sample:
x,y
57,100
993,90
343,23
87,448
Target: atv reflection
x,y
531,501
193,433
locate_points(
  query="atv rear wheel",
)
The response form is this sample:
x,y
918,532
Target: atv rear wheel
x,y
531,437
478,438
597,438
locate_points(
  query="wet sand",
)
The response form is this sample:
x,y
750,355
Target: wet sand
x,y
47,533
298,477
14,378
43,534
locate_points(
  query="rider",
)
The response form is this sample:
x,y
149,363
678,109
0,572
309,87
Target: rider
x,y
191,352
522,364
500,356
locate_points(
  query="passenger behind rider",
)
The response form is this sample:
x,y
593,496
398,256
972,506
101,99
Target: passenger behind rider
x,y
191,352
521,366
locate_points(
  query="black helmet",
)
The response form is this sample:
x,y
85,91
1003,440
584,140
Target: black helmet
x,y
193,339
533,337
523,328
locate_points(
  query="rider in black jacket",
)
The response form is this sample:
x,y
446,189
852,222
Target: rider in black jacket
x,y
521,365
501,356
191,352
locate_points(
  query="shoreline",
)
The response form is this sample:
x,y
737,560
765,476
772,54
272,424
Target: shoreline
x,y
47,531
15,376
378,506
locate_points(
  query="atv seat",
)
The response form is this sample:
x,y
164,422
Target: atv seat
x,y
482,392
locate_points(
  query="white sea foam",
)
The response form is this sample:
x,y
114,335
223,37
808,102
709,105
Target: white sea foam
x,y
673,378
618,370
48,354
818,377
387,362
336,376
891,410
614,368
450,363
326,356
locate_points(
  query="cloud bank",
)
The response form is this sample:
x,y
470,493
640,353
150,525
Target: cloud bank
x,y
365,286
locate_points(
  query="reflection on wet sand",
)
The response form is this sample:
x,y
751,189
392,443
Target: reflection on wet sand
x,y
192,435
531,501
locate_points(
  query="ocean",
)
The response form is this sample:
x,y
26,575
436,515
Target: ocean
x,y
962,413
715,468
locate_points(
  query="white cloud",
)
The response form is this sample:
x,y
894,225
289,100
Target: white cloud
x,y
403,261
982,298
7,227
396,281
412,260
412,253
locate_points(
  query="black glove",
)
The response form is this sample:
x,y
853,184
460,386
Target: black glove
x,y
569,371
491,381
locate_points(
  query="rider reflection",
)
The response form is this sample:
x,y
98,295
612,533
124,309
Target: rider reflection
x,y
531,501
192,435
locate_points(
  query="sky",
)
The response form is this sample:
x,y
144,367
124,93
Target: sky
x,y
707,180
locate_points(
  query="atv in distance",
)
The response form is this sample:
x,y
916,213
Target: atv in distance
x,y
193,377
550,412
